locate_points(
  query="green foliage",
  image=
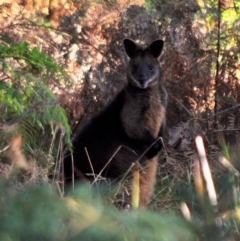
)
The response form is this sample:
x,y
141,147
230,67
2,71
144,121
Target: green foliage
x,y
34,215
150,4
33,58
25,96
229,24
168,190
82,215
40,214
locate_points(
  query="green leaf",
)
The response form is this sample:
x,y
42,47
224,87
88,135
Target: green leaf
x,y
229,15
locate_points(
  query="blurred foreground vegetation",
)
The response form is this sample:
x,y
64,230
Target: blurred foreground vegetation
x,y
62,61
38,213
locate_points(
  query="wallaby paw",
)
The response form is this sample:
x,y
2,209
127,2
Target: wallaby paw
x,y
155,148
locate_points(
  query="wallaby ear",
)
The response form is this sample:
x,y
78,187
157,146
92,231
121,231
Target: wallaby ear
x,y
130,47
156,48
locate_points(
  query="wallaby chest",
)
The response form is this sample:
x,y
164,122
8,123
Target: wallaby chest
x,y
142,111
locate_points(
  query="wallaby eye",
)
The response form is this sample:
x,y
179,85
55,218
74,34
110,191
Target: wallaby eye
x,y
150,67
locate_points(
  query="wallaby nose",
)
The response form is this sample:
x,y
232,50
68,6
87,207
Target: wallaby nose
x,y
141,81
142,76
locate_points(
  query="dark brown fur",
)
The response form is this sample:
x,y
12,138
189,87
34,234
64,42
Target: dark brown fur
x,y
133,121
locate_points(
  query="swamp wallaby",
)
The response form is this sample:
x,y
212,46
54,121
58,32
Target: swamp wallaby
x,y
132,124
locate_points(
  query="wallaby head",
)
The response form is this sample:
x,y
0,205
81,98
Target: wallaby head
x,y
143,69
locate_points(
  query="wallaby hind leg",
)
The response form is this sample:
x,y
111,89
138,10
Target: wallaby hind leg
x,y
147,181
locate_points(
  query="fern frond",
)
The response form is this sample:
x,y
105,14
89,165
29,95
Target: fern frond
x,y
33,58
26,99
175,133
183,134
231,122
